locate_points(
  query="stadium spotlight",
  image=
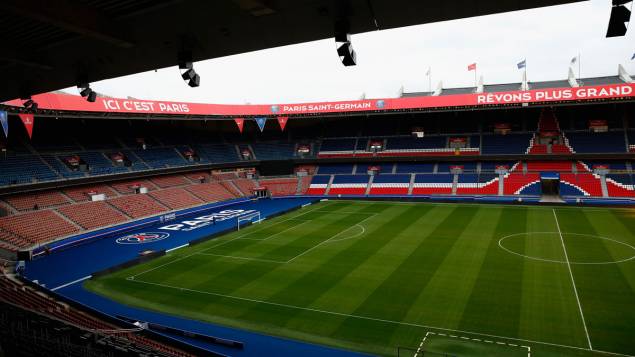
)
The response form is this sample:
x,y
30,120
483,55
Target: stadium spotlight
x,y
30,104
345,49
190,75
620,16
193,79
87,93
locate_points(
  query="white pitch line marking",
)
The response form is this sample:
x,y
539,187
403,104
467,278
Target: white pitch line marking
x,y
473,339
244,258
376,319
275,234
575,290
72,282
217,245
326,241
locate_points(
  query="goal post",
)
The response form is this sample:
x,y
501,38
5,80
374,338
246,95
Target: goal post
x,y
248,219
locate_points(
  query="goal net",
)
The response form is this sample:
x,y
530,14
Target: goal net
x,y
248,219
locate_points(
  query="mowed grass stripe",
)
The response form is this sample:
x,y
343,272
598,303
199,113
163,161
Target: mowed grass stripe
x,y
198,270
549,310
442,301
315,279
393,299
607,298
244,272
353,288
494,303
182,254
537,288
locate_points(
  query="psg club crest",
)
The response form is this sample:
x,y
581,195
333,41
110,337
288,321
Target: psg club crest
x,y
142,238
380,104
275,108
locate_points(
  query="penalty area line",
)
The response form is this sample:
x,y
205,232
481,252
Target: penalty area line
x,y
429,333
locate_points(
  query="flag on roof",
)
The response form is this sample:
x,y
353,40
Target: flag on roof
x,y
429,71
574,60
522,64
472,67
633,58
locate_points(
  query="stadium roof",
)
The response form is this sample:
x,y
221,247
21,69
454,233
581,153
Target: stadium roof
x,y
559,92
509,87
52,44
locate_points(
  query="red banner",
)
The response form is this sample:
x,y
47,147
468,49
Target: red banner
x,y
65,102
28,120
283,122
240,122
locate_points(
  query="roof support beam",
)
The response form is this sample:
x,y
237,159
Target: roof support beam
x,y
70,17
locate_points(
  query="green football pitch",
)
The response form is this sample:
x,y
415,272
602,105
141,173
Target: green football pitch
x,y
410,278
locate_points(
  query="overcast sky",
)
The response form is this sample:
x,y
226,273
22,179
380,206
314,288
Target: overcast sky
x,y
548,38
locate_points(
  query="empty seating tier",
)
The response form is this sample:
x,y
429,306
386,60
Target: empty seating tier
x,y
128,186
37,227
93,215
389,184
169,181
246,186
318,185
210,192
82,194
560,166
428,184
137,206
588,183
175,198
349,185
281,187
516,183
40,200
587,142
506,144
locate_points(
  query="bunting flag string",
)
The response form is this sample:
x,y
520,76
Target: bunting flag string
x,y
28,120
4,121
283,122
240,123
261,121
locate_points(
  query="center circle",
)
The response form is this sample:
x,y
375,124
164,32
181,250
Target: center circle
x,y
576,244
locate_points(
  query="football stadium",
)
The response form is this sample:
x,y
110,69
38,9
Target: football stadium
x,y
490,219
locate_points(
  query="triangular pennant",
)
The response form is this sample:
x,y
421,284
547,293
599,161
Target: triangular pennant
x,y
283,122
240,122
28,120
4,121
261,121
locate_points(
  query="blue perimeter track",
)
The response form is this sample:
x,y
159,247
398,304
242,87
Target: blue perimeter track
x,y
64,270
